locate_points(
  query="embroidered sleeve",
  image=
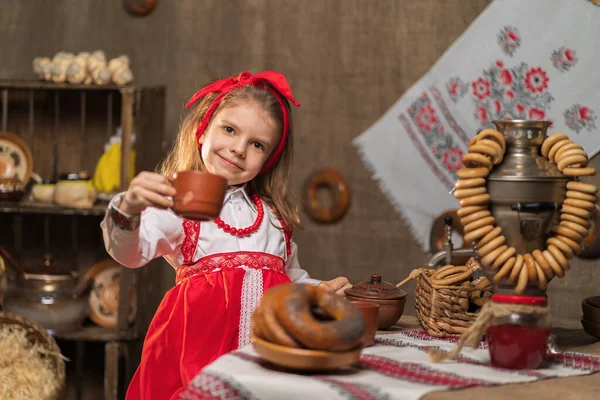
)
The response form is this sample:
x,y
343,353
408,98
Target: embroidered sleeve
x,y
158,233
122,220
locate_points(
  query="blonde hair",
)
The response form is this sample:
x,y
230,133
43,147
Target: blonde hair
x,y
271,186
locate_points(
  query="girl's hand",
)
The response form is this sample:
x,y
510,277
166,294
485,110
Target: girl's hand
x,y
337,285
147,189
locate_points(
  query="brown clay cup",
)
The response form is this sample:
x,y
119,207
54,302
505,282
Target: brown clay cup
x,y
370,312
199,195
591,309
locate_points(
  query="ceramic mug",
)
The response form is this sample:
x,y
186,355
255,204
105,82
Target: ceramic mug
x,y
199,195
370,312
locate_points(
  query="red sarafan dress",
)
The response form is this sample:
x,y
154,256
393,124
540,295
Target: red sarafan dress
x,y
220,281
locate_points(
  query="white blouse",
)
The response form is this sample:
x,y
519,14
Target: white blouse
x,y
161,234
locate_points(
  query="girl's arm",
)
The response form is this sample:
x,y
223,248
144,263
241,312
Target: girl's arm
x,y
297,274
159,233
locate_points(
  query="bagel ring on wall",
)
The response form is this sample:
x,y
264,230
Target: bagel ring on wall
x,y
335,183
139,7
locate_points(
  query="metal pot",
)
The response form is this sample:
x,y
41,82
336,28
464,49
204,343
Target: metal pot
x,y
58,301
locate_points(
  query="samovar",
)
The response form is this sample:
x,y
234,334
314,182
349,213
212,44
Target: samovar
x,y
526,190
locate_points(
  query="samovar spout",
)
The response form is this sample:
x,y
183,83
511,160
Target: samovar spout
x,y
449,254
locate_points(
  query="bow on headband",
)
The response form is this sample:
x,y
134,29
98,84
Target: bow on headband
x,y
224,86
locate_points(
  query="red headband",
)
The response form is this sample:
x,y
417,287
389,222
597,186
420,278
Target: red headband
x,y
224,86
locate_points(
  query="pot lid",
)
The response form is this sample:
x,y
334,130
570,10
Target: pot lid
x,y
48,267
376,288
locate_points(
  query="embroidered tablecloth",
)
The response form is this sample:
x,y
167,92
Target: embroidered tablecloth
x,y
397,367
534,59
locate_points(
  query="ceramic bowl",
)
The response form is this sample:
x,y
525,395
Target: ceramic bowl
x,y
390,298
591,308
199,195
591,328
304,359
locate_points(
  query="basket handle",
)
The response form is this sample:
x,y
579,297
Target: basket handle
x,y
415,273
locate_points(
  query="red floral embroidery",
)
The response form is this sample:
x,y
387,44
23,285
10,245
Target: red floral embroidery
x,y
509,40
191,229
426,117
452,159
536,80
563,59
585,113
497,106
456,88
482,115
511,93
506,77
431,138
481,88
288,231
536,113
579,117
229,261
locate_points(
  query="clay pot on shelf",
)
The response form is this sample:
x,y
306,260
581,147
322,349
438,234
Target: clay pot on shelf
x,y
391,299
199,195
11,189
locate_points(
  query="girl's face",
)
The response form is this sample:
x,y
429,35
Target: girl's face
x,y
238,141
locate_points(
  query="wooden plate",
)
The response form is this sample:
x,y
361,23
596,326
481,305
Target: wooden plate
x,y
104,297
15,158
304,359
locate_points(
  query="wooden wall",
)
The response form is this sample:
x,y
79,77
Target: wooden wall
x,y
347,61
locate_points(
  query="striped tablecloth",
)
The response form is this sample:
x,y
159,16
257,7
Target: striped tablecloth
x,y
397,367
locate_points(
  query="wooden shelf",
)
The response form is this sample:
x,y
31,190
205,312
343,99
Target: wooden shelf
x,y
23,84
93,333
29,207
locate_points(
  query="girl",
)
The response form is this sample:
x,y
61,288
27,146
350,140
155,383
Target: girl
x,y
241,129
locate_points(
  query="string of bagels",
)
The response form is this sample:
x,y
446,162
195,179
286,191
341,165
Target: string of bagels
x,y
539,267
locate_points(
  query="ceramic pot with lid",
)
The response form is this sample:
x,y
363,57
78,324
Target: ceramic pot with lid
x,y
391,299
47,294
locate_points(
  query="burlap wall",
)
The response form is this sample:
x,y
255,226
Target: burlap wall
x,y
347,61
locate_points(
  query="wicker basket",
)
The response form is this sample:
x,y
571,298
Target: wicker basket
x,y
37,334
443,310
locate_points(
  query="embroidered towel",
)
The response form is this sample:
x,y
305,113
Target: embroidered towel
x,y
534,59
